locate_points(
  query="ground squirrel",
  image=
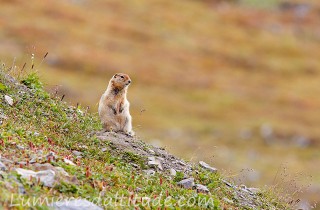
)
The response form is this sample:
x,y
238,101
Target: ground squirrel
x,y
114,106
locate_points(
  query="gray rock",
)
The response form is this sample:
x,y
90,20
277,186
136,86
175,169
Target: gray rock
x,y
201,188
2,116
76,204
173,172
20,147
207,166
8,99
52,155
149,172
77,153
151,151
104,149
33,160
228,184
60,173
67,161
135,165
186,183
155,162
21,189
180,162
2,166
46,176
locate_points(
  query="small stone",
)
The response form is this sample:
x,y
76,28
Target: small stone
x,y
20,147
2,116
135,165
155,158
9,100
173,172
46,177
33,160
186,183
21,189
52,155
150,172
228,184
2,166
156,161
83,146
181,163
76,204
60,173
104,149
151,151
36,134
67,161
207,166
77,153
201,188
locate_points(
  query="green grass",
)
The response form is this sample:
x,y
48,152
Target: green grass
x,y
38,120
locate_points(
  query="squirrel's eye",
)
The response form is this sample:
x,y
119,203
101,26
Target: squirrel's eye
x,y
122,77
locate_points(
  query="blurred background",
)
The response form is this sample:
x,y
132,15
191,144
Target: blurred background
x,y
233,83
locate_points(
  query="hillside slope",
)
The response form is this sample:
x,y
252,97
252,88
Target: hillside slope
x,y
224,73
51,152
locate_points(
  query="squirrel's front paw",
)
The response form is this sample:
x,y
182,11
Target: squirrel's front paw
x,y
130,133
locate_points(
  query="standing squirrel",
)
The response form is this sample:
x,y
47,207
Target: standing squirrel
x,y
114,106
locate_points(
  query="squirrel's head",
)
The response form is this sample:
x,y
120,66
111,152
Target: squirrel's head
x,y
120,81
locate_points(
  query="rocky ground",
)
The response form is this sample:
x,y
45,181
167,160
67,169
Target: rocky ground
x,y
158,160
149,159
51,150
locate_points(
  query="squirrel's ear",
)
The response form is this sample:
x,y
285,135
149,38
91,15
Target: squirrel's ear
x,y
115,75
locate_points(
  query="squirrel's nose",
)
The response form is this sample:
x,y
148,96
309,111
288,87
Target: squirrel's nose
x,y
129,81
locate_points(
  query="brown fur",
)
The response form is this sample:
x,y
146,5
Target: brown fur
x,y
114,106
